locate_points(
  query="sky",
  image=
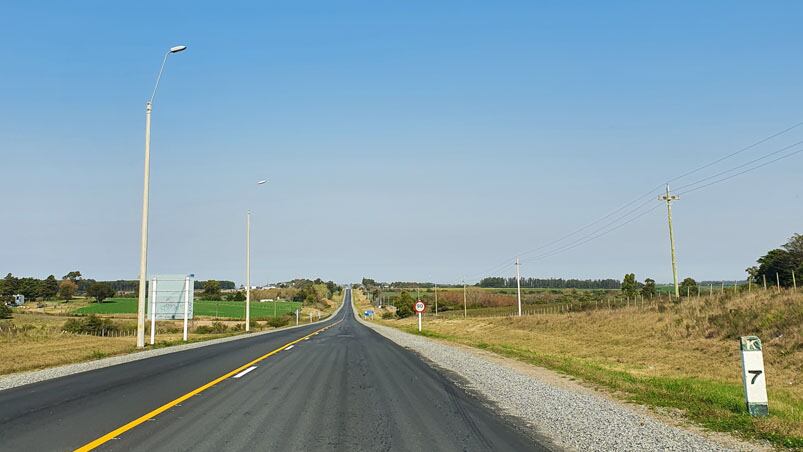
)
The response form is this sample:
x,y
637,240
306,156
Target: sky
x,y
411,140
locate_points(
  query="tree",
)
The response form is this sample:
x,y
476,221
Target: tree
x,y
649,290
629,285
29,287
795,248
10,286
212,290
777,261
5,311
49,288
67,289
72,276
100,291
368,282
404,307
689,286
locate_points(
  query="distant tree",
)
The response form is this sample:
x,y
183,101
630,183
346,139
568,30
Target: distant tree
x,y
49,288
72,276
10,286
629,285
777,261
212,290
67,289
649,290
100,291
404,306
795,248
368,282
5,311
29,287
689,285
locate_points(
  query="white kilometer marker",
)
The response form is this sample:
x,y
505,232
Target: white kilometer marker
x,y
288,348
244,372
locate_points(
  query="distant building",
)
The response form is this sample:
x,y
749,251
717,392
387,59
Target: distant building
x,y
19,300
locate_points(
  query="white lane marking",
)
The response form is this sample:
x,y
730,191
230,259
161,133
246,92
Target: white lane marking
x,y
288,348
244,372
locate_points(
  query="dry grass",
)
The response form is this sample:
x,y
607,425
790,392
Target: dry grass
x,y
629,349
33,339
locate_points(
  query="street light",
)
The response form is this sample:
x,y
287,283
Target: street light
x,y
248,266
143,250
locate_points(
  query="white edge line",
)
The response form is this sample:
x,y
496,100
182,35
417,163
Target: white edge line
x,y
244,372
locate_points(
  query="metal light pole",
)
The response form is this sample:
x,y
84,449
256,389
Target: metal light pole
x,y
518,284
669,198
143,248
248,266
248,271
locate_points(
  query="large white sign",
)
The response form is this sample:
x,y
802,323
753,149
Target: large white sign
x,y
753,376
171,292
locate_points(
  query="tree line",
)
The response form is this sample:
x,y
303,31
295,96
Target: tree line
x,y
549,283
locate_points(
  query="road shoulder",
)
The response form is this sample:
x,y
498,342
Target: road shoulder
x,y
571,415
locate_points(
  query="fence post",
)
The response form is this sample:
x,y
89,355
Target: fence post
x,y
794,281
778,281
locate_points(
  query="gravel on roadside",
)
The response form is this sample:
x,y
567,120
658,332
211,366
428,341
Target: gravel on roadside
x,y
575,420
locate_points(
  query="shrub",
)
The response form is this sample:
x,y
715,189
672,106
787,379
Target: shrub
x,y
91,324
214,328
388,315
5,311
277,322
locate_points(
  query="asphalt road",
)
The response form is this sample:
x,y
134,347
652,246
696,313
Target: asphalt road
x,y
346,388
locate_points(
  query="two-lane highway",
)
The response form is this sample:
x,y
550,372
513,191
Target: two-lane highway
x,y
337,385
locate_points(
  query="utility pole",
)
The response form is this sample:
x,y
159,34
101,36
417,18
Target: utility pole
x,y
518,284
465,304
248,271
794,281
436,299
669,198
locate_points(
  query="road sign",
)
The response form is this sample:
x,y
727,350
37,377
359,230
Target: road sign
x,y
419,306
753,376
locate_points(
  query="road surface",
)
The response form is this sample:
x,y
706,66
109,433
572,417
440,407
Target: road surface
x,y
345,388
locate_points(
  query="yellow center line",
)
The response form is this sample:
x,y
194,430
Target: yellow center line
x,y
120,430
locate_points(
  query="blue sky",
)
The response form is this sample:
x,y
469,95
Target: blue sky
x,y
403,140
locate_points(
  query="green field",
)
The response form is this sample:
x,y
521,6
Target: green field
x,y
227,309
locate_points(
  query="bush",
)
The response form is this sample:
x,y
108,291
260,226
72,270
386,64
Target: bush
x,y
5,311
277,322
214,328
91,324
388,315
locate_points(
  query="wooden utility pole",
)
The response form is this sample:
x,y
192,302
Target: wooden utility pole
x,y
669,198
465,304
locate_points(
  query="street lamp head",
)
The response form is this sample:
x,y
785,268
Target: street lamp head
x,y
178,49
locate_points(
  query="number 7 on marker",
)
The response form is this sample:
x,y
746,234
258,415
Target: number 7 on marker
x,y
755,373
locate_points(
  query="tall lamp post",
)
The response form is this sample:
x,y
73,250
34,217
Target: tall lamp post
x,y
143,249
248,266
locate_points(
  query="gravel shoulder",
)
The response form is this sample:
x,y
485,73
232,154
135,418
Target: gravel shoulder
x,y
23,378
570,415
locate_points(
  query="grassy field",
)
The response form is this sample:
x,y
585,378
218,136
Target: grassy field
x,y
683,357
34,337
216,309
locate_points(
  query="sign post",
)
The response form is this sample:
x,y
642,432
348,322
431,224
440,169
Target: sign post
x,y
753,376
419,308
186,304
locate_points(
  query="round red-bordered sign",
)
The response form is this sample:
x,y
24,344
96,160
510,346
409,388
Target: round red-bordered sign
x,y
419,306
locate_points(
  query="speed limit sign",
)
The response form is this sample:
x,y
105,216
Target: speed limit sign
x,y
419,306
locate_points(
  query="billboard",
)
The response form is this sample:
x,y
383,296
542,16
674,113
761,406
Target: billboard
x,y
169,293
